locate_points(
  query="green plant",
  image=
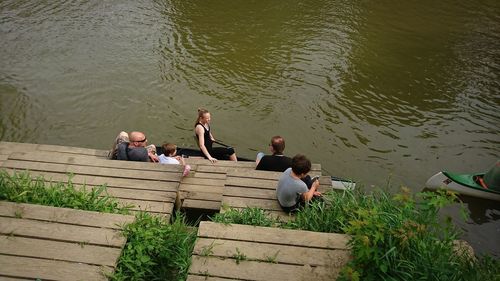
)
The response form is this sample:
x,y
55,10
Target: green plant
x,y
239,256
155,249
249,216
393,237
273,258
22,188
208,250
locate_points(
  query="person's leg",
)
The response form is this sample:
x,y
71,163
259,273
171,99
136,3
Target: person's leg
x,y
259,156
121,137
308,181
233,157
224,153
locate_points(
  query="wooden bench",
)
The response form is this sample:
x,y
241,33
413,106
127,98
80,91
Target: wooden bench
x,y
262,253
48,243
148,186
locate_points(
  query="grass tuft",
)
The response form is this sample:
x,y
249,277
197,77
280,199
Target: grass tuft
x,y
248,216
20,187
156,249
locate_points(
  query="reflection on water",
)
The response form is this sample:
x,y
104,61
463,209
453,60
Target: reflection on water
x,y
376,92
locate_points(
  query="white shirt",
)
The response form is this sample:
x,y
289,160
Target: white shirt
x,y
168,160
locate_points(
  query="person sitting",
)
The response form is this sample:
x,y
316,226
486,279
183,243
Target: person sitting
x,y
292,192
133,147
169,157
276,162
205,139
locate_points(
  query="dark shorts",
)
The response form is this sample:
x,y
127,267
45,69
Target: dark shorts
x,y
221,153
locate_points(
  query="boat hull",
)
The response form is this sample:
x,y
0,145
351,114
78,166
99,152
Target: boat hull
x,y
342,184
441,181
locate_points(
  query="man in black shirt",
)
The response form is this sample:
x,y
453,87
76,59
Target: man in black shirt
x,y
277,161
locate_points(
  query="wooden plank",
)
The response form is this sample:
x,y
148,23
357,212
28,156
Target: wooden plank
x,y
149,206
242,202
63,215
209,175
5,278
256,174
254,270
260,183
201,188
72,149
88,170
248,192
273,235
144,195
271,252
23,267
140,184
201,204
208,278
56,250
84,160
201,196
201,181
61,232
18,146
220,169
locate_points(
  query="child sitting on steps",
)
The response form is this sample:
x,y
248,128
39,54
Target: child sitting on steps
x,y
169,157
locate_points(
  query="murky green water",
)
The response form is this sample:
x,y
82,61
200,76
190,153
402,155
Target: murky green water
x,y
372,90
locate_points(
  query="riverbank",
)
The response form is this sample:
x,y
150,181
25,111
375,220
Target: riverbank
x,y
385,230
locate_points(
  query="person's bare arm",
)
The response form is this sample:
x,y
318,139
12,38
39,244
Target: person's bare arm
x,y
309,194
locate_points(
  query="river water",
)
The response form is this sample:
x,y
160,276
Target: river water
x,y
382,92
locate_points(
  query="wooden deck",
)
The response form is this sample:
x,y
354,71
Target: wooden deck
x,y
57,243
146,186
261,253
62,244
151,187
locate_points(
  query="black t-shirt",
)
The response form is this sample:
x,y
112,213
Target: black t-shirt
x,y
276,163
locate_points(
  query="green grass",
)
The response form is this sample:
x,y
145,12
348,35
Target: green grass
x,y
393,237
249,216
20,187
155,249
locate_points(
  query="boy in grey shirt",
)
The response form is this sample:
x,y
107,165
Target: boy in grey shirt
x,y
292,192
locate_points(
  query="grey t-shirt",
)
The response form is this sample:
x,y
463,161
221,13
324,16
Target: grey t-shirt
x,y
289,189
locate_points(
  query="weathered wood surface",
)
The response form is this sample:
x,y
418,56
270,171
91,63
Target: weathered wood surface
x,y
262,253
30,147
58,243
147,186
202,191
